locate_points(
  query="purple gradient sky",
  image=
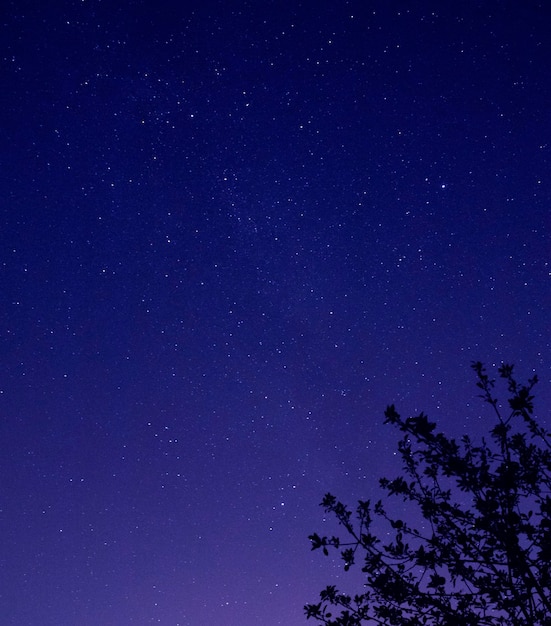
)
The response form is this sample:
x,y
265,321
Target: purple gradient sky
x,y
232,233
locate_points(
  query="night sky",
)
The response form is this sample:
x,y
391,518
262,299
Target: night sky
x,y
231,234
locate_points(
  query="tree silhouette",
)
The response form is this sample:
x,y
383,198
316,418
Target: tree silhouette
x,y
481,552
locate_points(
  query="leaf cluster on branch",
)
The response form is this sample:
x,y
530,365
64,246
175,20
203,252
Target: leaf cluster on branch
x,y
481,555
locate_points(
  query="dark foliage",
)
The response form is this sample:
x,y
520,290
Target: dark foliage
x,y
481,554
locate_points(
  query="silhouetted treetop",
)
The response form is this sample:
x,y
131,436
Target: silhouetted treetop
x,y
480,554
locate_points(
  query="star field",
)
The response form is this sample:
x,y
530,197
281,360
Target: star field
x,y
232,233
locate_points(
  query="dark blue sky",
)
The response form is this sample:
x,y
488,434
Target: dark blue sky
x,y
232,233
